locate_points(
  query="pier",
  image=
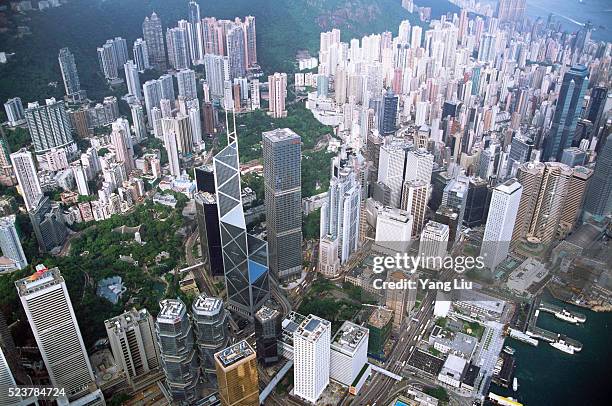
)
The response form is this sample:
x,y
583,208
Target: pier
x,y
541,334
562,313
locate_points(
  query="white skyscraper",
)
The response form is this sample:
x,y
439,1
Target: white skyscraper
x,y
187,86
47,305
7,380
14,111
80,178
434,240
278,92
25,171
172,149
132,79
419,165
217,72
152,95
391,169
141,55
500,222
122,143
138,122
311,357
10,243
349,353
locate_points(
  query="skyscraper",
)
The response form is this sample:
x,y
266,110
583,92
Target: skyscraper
x,y
141,55
251,40
10,243
599,196
152,95
195,32
107,58
48,224
25,171
153,35
178,51
401,301
268,330
210,326
217,72
311,358
237,375
236,51
348,353
567,112
520,152
14,111
597,104
283,189
72,85
132,79
170,143
131,336
122,143
245,257
414,201
138,121
389,113
174,337
49,126
47,305
187,86
277,85
576,193
500,222
434,241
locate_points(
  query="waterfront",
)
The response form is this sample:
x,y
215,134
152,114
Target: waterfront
x,y
548,376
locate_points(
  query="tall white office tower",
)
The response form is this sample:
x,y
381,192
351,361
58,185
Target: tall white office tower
x,y
131,336
393,229
141,55
187,86
255,95
132,79
278,92
47,305
122,143
10,243
170,143
349,353
434,240
419,165
80,178
391,169
138,122
217,72
7,380
500,222
414,200
152,94
27,178
311,358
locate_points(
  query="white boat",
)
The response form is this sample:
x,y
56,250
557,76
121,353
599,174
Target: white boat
x,y
509,350
515,384
566,316
561,345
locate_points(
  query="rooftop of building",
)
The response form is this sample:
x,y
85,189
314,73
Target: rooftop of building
x,y
171,310
126,319
280,134
266,313
434,226
454,366
41,279
207,305
234,353
349,336
290,324
510,186
380,317
312,327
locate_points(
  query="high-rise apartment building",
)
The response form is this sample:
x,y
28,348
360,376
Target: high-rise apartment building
x,y
48,224
10,243
49,126
70,75
153,35
237,375
311,358
217,72
132,79
152,95
27,178
251,40
245,257
121,141
210,326
500,222
277,85
508,10
187,86
179,361
568,109
178,47
282,185
236,51
45,299
14,111
141,55
131,336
